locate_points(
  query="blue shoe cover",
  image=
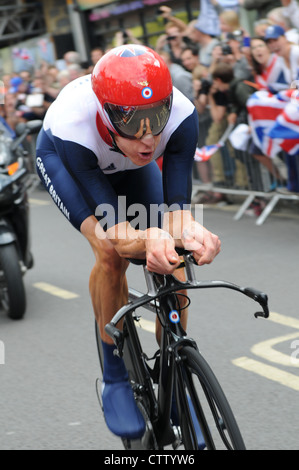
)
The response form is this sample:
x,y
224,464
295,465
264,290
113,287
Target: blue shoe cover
x,y
122,415
174,416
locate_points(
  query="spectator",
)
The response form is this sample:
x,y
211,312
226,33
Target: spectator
x,y
262,7
291,11
200,100
75,71
204,36
269,75
125,36
181,78
227,99
15,83
166,13
235,92
71,57
278,43
229,22
190,58
63,78
260,27
25,75
268,67
277,17
171,42
6,81
96,54
242,68
9,110
222,5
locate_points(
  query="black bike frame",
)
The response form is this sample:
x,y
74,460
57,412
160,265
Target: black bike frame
x,y
162,300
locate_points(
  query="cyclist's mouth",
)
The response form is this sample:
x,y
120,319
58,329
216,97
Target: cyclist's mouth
x,y
146,155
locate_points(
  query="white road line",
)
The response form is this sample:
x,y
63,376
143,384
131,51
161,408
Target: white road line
x,y
56,291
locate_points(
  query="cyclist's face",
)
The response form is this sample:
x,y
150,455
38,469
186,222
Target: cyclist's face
x,y
139,151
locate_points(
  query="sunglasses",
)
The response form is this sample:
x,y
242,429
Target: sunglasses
x,y
132,122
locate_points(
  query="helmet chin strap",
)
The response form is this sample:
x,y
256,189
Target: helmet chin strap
x,y
107,135
114,148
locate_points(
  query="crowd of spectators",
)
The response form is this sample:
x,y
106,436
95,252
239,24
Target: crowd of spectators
x,y
226,64
29,93
213,60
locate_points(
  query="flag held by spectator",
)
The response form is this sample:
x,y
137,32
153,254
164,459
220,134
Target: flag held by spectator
x,y
204,154
274,121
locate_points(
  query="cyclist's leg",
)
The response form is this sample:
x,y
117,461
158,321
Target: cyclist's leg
x,y
108,289
107,283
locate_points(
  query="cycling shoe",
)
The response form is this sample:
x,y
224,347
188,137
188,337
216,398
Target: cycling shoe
x,y
122,415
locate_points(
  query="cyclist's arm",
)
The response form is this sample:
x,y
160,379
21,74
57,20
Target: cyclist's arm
x,y
192,236
177,180
82,165
154,244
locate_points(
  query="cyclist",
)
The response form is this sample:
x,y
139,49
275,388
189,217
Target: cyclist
x,y
99,141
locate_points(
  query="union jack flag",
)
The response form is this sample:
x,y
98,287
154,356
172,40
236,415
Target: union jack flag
x,y
274,121
205,153
274,77
129,50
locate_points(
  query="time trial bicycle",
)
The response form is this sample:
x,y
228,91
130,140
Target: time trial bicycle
x,y
176,389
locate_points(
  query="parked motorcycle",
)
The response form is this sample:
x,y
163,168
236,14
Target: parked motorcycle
x,y
15,254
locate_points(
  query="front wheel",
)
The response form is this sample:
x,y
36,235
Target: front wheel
x,y
203,405
12,290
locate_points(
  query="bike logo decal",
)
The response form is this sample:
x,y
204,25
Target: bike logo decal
x,y
174,316
147,92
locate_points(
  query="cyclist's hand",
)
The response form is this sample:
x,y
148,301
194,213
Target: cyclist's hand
x,y
161,256
203,244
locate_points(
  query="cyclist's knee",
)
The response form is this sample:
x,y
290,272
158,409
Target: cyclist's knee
x,y
183,298
109,261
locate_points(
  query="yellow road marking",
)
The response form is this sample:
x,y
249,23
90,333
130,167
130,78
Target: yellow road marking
x,y
269,372
265,350
147,325
284,320
53,290
38,202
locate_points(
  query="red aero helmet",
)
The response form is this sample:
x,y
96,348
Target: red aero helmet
x,y
133,87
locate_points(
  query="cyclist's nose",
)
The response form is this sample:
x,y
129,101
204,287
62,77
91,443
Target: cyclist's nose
x,y
147,139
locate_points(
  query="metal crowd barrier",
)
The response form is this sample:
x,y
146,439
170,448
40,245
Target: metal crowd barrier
x,y
258,181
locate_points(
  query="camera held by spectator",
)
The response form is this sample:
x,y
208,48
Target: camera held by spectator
x,y
226,49
205,87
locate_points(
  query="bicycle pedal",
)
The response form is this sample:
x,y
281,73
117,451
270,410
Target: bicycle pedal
x,y
178,437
